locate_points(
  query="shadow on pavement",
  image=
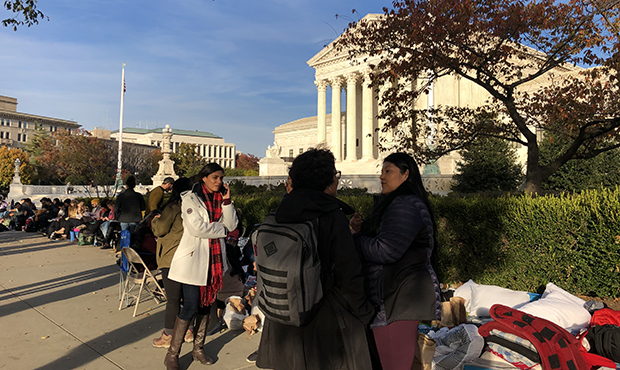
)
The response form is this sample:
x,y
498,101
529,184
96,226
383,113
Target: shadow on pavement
x,y
124,337
56,296
59,282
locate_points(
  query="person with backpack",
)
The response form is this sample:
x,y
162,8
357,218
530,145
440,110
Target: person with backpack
x,y
168,227
331,333
398,246
199,263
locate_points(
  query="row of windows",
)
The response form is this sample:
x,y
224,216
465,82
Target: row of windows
x,y
291,152
24,124
208,150
7,135
7,122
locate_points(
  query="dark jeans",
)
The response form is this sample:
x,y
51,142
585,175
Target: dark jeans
x,y
174,293
191,303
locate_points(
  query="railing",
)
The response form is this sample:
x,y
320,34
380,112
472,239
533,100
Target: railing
x,y
436,184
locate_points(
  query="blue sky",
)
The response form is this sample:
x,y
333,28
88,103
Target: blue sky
x,y
234,68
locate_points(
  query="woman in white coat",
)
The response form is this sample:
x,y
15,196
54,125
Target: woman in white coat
x,y
200,260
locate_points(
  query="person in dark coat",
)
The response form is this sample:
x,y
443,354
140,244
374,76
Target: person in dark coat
x,y
129,206
397,244
335,338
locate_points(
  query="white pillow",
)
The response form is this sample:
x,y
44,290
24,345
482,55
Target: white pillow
x,y
464,291
485,296
560,307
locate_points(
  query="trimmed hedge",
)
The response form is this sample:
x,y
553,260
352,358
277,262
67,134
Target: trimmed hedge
x,y
519,242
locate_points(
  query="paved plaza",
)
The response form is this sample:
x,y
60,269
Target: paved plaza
x,y
59,310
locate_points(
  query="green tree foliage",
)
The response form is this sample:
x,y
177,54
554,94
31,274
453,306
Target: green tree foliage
x,y
518,52
235,172
7,166
577,175
25,13
488,164
187,162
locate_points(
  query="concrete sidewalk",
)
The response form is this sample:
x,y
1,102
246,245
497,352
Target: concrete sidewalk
x,y
59,310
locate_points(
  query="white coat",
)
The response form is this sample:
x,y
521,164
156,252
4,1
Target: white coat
x,y
191,261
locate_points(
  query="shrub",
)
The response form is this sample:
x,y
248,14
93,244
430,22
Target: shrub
x,y
579,174
489,164
516,241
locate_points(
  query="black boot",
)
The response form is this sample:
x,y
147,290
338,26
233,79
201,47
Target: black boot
x,y
178,336
199,340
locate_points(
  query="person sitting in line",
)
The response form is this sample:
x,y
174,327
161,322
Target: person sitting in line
x,y
96,209
54,223
74,219
19,215
4,207
47,212
156,196
28,202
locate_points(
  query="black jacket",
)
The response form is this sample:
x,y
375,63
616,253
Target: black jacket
x,y
129,206
335,338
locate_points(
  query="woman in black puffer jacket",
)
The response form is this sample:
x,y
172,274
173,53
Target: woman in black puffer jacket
x,y
397,245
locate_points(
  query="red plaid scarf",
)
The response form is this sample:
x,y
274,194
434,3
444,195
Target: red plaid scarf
x,y
214,280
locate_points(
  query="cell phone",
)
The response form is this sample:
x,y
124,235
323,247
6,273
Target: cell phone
x,y
223,190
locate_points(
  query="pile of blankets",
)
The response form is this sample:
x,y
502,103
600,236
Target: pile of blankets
x,y
490,327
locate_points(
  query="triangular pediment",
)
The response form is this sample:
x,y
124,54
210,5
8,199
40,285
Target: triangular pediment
x,y
329,52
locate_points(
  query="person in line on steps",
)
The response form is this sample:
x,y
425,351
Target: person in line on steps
x,y
199,261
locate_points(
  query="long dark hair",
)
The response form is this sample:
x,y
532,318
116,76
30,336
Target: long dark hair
x,y
413,185
208,169
181,185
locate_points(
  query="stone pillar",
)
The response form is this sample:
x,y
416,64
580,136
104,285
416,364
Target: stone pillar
x,y
321,87
166,165
367,118
336,123
351,129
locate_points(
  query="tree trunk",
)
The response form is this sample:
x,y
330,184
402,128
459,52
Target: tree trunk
x,y
533,181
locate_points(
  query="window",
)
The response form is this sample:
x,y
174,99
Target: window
x,y
24,137
19,137
301,150
7,135
2,122
1,135
290,153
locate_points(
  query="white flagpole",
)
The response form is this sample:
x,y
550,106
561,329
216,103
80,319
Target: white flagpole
x,y
119,180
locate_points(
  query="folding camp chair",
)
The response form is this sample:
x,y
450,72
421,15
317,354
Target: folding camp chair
x,y
140,278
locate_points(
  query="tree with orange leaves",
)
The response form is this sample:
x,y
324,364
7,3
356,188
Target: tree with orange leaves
x,y
505,47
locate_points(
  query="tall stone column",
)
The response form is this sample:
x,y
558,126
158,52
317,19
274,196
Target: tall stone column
x,y
367,118
321,87
336,113
166,165
351,129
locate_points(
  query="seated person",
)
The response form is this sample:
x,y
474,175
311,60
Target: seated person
x,y
19,215
48,212
4,207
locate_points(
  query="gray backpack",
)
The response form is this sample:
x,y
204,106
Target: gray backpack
x,y
289,271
